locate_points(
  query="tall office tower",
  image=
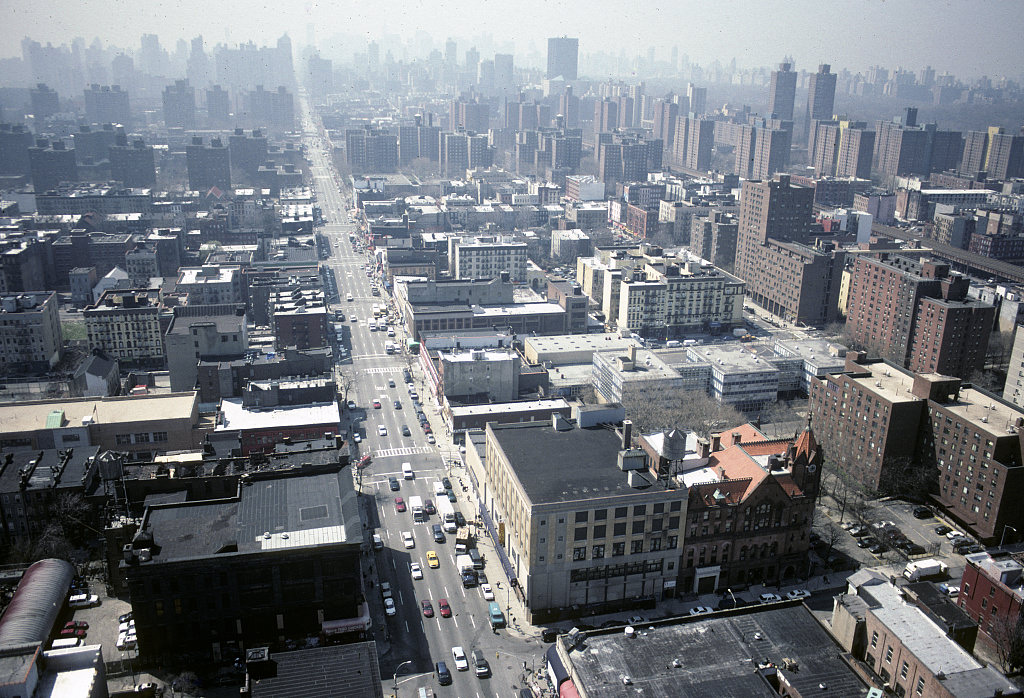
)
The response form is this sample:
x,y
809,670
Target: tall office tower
x,y
783,93
700,139
469,115
697,100
319,76
218,107
180,105
563,58
200,69
606,116
132,165
1005,158
45,102
15,141
569,107
451,52
152,58
504,72
746,147
373,56
856,144
472,61
105,105
208,165
821,98
51,164
485,77
975,149
772,152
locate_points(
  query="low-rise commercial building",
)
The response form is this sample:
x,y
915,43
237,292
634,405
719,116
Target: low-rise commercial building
x,y
203,332
576,521
261,428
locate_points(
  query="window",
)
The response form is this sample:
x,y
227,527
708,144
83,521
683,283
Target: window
x,y
581,533
142,438
123,439
600,531
638,527
874,638
903,670
919,689
618,549
159,436
659,508
620,529
620,512
639,510
888,654
579,553
582,516
600,515
597,552
676,506
656,545
673,542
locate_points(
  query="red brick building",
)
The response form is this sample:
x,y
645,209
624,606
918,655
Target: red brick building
x,y
750,506
992,592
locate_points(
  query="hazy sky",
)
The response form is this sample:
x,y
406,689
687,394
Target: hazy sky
x,y
966,37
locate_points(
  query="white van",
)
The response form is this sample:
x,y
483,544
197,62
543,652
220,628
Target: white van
x,y
438,489
672,343
407,471
349,298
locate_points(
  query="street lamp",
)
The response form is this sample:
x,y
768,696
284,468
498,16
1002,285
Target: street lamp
x,y
1003,537
397,669
733,597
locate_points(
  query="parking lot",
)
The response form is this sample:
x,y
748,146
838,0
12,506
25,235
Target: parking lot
x,y
103,623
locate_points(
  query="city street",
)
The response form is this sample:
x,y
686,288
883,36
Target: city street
x,y
409,642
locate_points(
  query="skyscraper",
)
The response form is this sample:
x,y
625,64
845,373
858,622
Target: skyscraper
x,y
180,105
697,98
821,97
783,92
563,58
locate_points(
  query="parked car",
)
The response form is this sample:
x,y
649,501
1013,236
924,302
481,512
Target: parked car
x,y
72,632
942,530
922,512
769,598
83,600
701,610
798,594
76,624
399,504
376,404
866,542
488,593
460,520
877,549
389,607
444,677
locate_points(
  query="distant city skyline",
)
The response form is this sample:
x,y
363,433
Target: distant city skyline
x,y
896,33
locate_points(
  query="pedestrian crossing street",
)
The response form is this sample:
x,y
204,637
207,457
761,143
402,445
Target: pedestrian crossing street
x,y
407,451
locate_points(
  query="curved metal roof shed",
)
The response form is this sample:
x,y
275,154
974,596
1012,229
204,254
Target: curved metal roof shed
x,y
38,600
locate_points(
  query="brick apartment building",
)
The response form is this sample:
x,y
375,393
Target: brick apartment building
x,y
892,430
915,313
992,592
786,272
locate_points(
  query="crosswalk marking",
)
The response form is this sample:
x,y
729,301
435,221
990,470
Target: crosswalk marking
x,y
376,369
407,451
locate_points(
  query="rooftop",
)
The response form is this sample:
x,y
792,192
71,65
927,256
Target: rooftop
x,y
29,416
985,411
578,342
509,407
887,381
732,358
717,657
273,511
334,671
562,466
234,416
47,468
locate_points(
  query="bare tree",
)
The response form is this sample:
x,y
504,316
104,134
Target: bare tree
x,y
1007,633
903,476
693,410
345,382
830,535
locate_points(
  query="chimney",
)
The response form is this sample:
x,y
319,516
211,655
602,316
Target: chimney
x,y
632,353
703,448
736,438
716,442
627,433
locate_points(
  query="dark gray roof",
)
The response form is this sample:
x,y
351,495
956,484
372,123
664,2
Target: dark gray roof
x,y
298,508
718,657
336,671
97,364
47,468
560,466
